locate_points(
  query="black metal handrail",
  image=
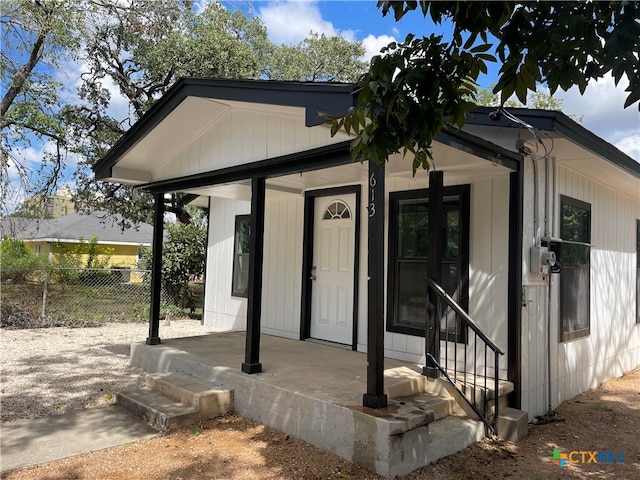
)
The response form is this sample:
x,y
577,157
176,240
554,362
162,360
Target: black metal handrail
x,y
467,332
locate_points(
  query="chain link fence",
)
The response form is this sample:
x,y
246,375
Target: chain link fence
x,y
71,296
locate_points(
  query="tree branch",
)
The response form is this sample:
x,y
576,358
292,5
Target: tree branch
x,y
21,77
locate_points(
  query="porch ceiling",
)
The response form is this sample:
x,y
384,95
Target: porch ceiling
x,y
457,165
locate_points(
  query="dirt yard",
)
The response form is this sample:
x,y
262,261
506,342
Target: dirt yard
x,y
606,419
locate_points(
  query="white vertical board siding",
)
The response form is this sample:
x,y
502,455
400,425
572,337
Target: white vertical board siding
x,y
282,269
241,137
489,262
221,310
613,344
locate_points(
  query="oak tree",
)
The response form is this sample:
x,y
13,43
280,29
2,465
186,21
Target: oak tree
x,y
418,87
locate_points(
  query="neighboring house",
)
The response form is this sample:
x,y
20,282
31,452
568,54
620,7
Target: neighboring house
x,y
338,250
72,233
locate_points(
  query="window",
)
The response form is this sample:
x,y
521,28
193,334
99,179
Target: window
x,y
240,282
575,257
408,232
337,210
637,271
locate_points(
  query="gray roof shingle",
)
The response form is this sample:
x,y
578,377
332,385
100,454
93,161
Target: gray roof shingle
x,y
71,228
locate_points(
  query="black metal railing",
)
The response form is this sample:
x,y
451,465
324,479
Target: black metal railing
x,y
458,332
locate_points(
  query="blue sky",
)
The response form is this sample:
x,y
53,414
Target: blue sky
x,y
289,21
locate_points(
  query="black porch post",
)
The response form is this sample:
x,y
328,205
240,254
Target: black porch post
x,y
251,362
156,270
375,398
434,271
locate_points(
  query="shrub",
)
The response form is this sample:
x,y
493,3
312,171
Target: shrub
x,y
17,262
183,258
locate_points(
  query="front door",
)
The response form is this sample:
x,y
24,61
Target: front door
x,y
332,271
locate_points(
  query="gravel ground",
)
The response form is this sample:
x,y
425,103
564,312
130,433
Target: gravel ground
x,y
49,371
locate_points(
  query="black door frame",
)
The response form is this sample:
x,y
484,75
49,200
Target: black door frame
x,y
307,256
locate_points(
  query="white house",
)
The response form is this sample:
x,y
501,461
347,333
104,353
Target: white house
x,y
305,244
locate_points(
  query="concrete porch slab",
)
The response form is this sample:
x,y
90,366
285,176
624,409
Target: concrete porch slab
x,y
325,372
314,392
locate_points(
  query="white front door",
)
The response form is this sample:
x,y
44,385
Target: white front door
x,y
332,273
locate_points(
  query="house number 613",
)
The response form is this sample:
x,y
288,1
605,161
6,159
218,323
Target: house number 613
x,y
372,195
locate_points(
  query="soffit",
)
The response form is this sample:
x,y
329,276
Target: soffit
x,y
184,124
595,167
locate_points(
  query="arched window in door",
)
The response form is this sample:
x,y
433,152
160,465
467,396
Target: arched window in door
x,y
337,210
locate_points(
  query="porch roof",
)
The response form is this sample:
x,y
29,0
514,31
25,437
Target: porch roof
x,y
192,102
191,106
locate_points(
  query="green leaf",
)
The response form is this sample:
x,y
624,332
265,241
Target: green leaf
x,y
521,90
486,57
470,41
527,80
633,97
481,48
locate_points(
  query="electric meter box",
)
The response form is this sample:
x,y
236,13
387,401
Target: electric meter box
x,y
541,259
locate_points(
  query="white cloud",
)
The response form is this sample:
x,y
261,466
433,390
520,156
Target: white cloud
x,y
200,5
31,157
119,104
291,21
373,44
70,75
630,145
602,112
23,172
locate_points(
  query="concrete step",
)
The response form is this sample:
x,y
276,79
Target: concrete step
x,y
442,405
171,400
403,382
475,395
187,390
452,434
415,447
157,409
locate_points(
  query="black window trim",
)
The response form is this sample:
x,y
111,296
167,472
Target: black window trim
x,y
464,191
583,332
234,292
